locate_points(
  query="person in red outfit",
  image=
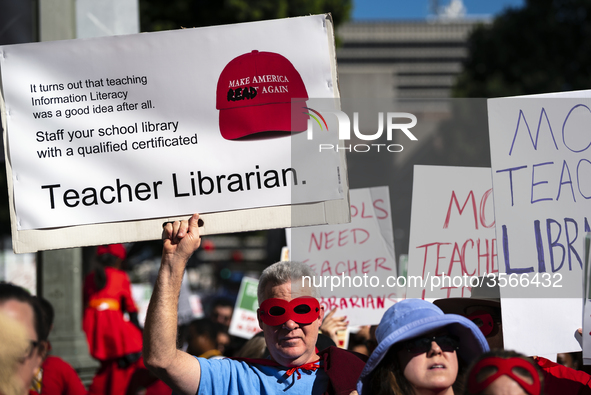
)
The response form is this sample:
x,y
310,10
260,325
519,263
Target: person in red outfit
x,y
56,376
112,338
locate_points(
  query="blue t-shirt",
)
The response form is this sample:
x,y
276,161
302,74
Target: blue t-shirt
x,y
227,376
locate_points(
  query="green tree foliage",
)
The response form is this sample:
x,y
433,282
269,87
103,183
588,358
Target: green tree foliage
x,y
158,15
543,47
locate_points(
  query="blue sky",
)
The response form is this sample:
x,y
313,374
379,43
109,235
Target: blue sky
x,y
419,9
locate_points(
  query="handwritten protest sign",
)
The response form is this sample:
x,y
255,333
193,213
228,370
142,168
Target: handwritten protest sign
x,y
141,294
354,263
452,231
133,127
244,322
542,189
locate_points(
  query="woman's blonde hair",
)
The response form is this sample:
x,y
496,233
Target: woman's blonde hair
x,y
14,346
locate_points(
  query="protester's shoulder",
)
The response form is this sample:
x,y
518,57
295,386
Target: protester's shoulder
x,y
241,367
343,368
221,363
58,375
57,363
341,364
556,370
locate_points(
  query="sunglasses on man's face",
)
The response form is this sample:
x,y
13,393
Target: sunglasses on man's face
x,y
447,343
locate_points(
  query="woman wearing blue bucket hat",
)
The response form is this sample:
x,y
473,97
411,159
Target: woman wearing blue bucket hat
x,y
420,351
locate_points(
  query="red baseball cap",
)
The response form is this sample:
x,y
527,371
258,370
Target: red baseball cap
x,y
254,95
117,250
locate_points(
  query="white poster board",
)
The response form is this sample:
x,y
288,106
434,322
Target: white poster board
x,y
141,294
542,189
160,125
19,269
360,253
452,231
244,322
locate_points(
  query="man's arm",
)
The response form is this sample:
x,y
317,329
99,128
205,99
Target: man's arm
x,y
176,368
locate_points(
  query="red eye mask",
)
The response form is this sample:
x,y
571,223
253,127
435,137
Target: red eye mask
x,y
504,367
303,310
483,321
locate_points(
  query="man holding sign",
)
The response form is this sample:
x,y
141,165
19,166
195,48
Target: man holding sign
x,y
289,316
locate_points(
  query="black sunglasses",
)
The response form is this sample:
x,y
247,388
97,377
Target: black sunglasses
x,y
447,343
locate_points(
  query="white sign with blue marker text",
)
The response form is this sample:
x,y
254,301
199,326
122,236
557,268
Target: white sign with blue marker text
x,y
541,167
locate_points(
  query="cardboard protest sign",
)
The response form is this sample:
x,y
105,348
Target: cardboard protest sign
x,y
354,263
244,322
452,231
165,124
196,305
542,190
19,269
141,294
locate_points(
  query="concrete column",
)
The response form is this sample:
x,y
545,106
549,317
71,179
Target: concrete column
x,y
61,270
60,282
57,20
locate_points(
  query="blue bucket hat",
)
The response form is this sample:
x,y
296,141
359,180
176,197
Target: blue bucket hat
x,y
411,318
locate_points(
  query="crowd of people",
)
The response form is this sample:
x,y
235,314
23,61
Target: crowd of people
x,y
452,346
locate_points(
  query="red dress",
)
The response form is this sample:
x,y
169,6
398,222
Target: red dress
x,y
109,335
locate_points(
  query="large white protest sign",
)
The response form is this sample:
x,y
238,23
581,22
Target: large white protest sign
x,y
354,263
166,124
542,189
452,231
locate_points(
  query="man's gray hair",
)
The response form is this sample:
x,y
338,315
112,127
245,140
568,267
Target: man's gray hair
x,y
283,272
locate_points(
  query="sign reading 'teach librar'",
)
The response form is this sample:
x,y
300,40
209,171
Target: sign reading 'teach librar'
x,y
541,172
